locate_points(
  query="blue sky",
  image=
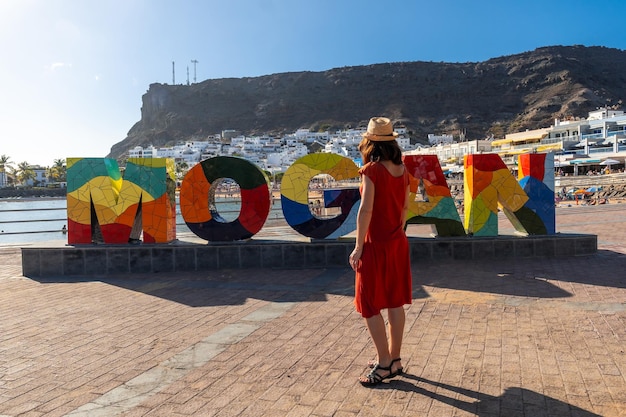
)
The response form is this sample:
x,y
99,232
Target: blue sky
x,y
72,72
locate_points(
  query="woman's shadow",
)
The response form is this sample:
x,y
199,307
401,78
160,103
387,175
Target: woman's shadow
x,y
511,401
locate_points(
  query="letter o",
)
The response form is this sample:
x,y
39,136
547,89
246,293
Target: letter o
x,y
195,196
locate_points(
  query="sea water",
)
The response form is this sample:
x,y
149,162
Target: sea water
x,y
32,220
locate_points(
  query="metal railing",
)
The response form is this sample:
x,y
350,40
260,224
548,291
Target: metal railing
x,y
34,220
228,214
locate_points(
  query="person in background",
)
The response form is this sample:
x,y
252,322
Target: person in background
x,y
380,257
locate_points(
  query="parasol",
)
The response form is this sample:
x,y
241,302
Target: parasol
x,y
610,162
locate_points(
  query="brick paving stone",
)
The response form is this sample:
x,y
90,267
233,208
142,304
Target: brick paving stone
x,y
513,337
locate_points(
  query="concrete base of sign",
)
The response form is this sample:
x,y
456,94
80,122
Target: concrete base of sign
x,y
94,260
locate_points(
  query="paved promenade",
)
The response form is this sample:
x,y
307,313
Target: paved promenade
x,y
525,337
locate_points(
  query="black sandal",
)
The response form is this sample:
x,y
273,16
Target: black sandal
x,y
374,378
399,371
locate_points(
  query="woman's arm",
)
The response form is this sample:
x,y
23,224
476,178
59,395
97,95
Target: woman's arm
x,y
363,219
405,211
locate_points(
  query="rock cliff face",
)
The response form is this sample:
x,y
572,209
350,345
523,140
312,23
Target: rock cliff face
x,y
495,97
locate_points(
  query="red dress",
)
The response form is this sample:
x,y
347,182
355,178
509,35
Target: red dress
x,y
383,275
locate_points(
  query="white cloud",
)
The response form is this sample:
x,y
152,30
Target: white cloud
x,y
58,65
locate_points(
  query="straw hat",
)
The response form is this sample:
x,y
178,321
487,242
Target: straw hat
x,y
380,129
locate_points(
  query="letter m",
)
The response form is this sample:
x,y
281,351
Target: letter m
x,y
102,201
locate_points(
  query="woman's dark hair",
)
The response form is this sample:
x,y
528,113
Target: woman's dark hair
x,y
380,151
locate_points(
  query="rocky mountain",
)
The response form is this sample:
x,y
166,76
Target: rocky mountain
x,y
502,95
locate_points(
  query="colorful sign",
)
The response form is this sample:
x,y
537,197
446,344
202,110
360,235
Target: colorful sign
x,y
438,207
197,199
294,194
488,185
104,205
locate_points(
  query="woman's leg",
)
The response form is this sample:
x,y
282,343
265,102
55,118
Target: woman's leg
x,y
397,319
378,331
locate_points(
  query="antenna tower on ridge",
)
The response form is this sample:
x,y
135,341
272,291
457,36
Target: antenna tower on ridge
x,y
173,74
194,62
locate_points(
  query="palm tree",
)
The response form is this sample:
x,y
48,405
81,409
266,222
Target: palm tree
x,y
50,174
5,164
58,171
25,173
11,176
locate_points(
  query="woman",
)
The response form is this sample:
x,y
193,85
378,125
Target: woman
x,y
381,254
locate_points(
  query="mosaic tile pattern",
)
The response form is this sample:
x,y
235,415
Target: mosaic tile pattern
x,y
294,191
439,208
488,183
197,199
536,177
104,207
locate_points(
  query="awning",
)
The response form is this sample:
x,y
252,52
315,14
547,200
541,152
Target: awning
x,y
584,161
528,139
515,152
499,142
552,146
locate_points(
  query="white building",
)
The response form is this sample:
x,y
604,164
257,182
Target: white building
x,y
451,155
404,143
580,142
346,142
306,136
211,150
140,152
337,145
40,180
439,139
